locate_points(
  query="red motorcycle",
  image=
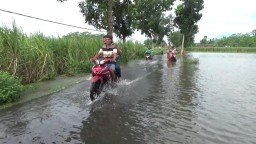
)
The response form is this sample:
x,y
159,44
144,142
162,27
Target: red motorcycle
x,y
171,56
101,77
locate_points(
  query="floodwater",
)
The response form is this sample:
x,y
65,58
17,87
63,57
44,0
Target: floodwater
x,y
212,102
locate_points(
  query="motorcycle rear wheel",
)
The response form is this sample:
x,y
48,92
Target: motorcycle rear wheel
x,y
95,90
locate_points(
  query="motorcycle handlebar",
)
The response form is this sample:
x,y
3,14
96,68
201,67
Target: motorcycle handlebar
x,y
96,61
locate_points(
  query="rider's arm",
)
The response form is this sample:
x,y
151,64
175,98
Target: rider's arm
x,y
119,51
114,54
98,54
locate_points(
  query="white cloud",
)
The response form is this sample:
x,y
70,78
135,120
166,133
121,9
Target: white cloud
x,y
66,13
219,17
226,16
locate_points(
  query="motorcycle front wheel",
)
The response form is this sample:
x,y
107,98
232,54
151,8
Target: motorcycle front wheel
x,y
95,89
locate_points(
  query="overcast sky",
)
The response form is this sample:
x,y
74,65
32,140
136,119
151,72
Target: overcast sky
x,y
220,17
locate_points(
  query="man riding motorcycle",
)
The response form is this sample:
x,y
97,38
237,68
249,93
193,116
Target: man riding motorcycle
x,y
171,54
108,51
149,51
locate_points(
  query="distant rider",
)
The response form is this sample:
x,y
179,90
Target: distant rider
x,y
171,52
150,52
109,51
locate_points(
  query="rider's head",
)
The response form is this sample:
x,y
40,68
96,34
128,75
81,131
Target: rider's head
x,y
107,39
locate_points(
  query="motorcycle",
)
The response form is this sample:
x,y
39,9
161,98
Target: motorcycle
x,y
171,56
101,77
148,57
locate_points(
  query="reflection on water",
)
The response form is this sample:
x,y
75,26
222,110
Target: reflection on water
x,y
156,102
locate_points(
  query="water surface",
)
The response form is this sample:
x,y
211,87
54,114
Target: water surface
x,y
159,102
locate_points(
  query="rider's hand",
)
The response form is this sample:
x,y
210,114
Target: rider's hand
x,y
93,59
112,60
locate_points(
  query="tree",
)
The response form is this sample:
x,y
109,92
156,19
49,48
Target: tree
x,y
110,18
123,19
204,40
118,18
148,42
253,32
237,40
175,38
127,15
187,15
150,18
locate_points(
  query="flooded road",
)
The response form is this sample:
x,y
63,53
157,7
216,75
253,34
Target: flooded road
x,y
157,102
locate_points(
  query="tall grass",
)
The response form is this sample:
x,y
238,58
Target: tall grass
x,y
131,50
37,57
188,60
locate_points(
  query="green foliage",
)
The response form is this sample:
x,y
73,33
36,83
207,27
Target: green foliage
x,y
154,43
190,60
203,41
175,38
131,50
157,51
96,14
126,18
148,43
253,33
123,25
187,15
237,40
223,49
37,57
10,88
151,20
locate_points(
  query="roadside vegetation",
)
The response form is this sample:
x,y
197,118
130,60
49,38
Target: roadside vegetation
x,y
235,43
223,49
10,88
188,60
36,57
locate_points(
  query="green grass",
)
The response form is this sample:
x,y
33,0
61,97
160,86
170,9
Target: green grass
x,y
223,49
157,51
37,57
190,61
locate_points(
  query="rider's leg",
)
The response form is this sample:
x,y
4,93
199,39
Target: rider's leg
x,y
113,75
112,71
117,67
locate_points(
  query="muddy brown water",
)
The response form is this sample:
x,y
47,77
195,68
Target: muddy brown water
x,y
212,102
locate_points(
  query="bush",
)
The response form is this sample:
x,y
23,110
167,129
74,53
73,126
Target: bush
x,y
188,59
10,88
